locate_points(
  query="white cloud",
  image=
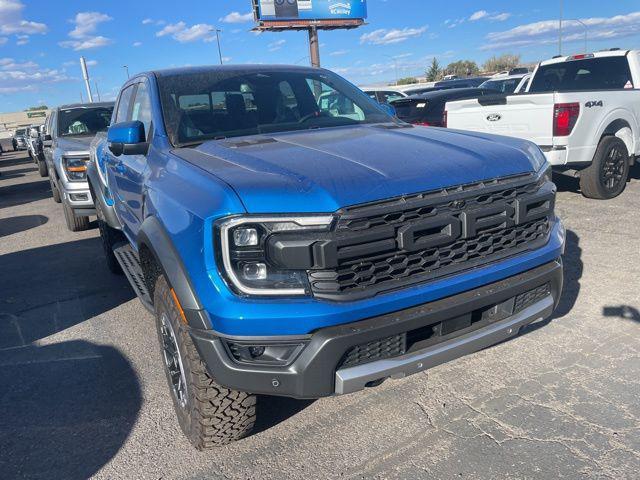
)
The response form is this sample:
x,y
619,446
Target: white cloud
x,y
137,44
277,45
501,17
87,23
545,32
480,14
227,59
26,76
383,36
83,35
151,21
237,17
184,34
92,63
86,44
147,21
338,53
11,21
3,40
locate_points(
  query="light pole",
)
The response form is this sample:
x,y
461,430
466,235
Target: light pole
x,y
395,61
560,28
126,68
218,31
586,32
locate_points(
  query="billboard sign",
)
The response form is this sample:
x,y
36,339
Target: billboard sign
x,y
312,10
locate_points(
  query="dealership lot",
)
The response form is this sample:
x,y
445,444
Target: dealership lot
x,y
84,394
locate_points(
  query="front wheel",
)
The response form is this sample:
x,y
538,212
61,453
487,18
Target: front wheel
x,y
209,414
607,175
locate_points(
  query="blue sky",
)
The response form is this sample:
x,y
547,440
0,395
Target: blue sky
x,y
42,40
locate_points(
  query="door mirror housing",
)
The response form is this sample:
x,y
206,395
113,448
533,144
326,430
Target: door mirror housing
x,y
127,138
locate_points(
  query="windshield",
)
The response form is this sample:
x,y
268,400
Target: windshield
x,y
84,120
20,132
605,73
507,85
221,104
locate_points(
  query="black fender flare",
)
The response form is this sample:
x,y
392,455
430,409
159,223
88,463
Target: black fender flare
x,y
153,236
106,212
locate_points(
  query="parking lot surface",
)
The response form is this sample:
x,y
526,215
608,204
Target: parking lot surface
x,y
83,393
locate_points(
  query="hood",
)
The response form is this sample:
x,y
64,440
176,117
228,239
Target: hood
x,y
320,171
75,144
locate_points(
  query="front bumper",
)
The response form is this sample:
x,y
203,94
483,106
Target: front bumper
x,y
316,373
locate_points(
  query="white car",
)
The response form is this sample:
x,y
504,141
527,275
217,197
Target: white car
x,y
583,111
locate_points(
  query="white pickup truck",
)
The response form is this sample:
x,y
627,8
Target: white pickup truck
x,y
583,111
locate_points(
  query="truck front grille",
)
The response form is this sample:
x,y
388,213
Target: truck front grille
x,y
413,239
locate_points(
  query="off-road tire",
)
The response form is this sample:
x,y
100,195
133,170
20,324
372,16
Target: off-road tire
x,y
55,193
74,222
592,182
42,169
110,237
213,415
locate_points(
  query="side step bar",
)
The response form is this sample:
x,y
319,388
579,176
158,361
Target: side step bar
x,y
130,263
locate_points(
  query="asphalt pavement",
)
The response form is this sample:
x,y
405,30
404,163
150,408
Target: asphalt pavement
x,y
82,392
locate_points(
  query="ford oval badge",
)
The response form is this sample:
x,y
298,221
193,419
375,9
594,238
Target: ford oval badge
x,y
494,117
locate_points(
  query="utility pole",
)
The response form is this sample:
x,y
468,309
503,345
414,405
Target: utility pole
x,y
560,28
126,68
81,97
314,47
85,75
218,40
97,91
586,33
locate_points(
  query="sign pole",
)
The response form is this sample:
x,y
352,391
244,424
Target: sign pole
x,y
314,47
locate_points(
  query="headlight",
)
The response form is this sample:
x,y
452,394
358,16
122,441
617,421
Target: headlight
x,y
75,168
242,245
536,155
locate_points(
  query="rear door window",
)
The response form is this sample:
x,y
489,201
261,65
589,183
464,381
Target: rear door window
x,y
608,73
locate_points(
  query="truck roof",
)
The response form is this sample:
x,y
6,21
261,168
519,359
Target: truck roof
x,y
605,53
87,105
169,72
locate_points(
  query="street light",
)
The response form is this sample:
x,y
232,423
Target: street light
x,y
395,61
218,31
560,29
126,67
586,31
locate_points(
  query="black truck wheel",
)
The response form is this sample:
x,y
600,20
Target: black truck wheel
x,y
42,169
110,237
74,222
55,193
607,175
210,415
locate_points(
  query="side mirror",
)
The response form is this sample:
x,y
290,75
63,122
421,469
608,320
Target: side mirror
x,y
388,109
127,138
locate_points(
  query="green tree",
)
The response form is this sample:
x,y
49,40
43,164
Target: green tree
x,y
407,81
434,72
462,68
40,107
503,62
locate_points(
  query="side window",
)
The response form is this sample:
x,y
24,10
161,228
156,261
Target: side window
x,y
122,115
141,110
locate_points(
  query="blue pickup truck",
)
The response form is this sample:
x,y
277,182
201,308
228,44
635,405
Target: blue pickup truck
x,y
293,238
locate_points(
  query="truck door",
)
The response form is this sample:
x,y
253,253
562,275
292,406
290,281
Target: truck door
x,y
129,170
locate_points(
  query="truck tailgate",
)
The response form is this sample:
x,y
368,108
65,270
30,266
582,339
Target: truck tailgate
x,y
523,116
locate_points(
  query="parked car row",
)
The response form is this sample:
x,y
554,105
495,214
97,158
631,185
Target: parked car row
x,y
583,111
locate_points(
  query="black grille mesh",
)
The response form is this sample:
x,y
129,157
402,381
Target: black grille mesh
x,y
377,350
527,299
